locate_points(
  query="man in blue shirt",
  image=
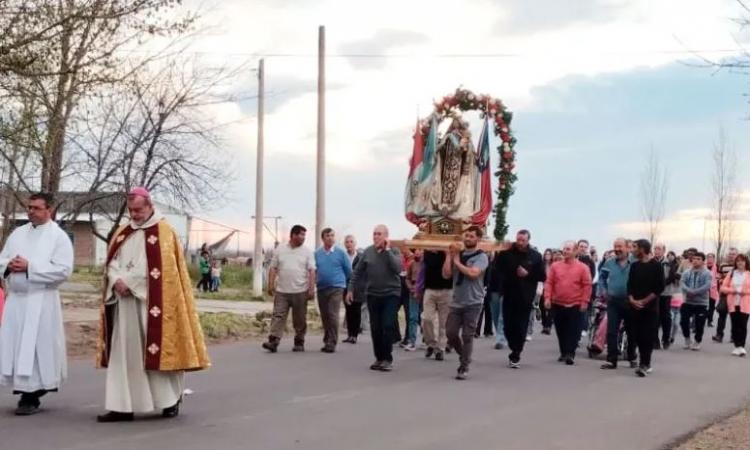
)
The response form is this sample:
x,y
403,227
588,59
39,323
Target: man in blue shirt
x,y
613,284
334,270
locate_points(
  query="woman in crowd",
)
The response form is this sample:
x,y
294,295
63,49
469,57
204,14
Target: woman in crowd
x,y
737,289
546,317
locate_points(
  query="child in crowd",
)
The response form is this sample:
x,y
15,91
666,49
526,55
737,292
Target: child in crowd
x,y
215,275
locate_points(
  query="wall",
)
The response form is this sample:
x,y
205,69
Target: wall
x,y
84,245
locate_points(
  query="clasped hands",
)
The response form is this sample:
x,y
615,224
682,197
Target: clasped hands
x,y
121,288
18,264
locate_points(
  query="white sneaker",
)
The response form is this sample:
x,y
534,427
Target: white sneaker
x,y
737,351
688,343
410,348
696,346
743,352
584,334
528,338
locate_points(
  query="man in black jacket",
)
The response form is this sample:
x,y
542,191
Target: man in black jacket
x,y
522,269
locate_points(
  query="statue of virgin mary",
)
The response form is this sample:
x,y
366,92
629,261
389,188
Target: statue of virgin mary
x,y
446,182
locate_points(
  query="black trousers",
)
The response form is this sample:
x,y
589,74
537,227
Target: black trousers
x,y
516,314
382,325
644,324
486,314
739,327
403,303
568,328
698,312
711,308
723,311
205,282
546,315
353,319
619,314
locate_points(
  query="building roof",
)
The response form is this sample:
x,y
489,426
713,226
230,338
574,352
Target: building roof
x,y
83,203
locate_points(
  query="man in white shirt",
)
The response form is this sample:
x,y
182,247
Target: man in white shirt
x,y
291,281
36,260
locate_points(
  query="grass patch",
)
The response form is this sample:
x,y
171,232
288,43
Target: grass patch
x,y
236,295
223,326
232,276
90,275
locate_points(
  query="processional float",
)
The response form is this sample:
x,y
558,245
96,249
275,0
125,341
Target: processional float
x,y
449,187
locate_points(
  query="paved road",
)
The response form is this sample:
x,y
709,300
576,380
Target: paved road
x,y
312,401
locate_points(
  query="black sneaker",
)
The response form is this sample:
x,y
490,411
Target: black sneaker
x,y
27,409
608,366
376,365
448,349
271,346
298,348
665,345
172,411
499,346
718,339
569,361
429,352
633,364
386,366
439,356
462,373
328,349
546,331
561,359
640,372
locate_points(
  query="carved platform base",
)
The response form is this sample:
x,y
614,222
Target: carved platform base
x,y
444,244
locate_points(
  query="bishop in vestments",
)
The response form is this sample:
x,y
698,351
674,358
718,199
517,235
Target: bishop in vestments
x,y
36,260
150,333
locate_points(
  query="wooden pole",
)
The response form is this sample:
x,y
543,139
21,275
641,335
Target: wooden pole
x,y
320,204
258,250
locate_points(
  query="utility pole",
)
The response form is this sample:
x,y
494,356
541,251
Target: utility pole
x,y
258,250
320,204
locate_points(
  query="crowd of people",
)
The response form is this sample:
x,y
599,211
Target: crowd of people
x,y
628,303
631,301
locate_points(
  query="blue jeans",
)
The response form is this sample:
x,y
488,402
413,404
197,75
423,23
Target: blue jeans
x,y
496,308
412,328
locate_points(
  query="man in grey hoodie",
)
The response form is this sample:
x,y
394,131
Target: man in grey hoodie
x,y
695,284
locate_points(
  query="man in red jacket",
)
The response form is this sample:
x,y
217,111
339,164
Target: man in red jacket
x,y
567,292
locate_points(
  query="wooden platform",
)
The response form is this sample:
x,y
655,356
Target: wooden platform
x,y
443,244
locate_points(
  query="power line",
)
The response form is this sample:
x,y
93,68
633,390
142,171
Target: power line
x,y
453,55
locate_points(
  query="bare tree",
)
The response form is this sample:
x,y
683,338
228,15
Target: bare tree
x,y
61,51
725,190
653,189
156,131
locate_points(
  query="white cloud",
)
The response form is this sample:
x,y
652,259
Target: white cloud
x,y
371,112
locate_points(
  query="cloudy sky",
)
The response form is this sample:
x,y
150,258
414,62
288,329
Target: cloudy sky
x,y
593,88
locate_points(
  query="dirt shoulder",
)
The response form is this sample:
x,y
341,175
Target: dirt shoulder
x,y
730,433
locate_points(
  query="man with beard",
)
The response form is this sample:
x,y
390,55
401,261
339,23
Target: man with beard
x,y
645,285
522,269
467,269
613,282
